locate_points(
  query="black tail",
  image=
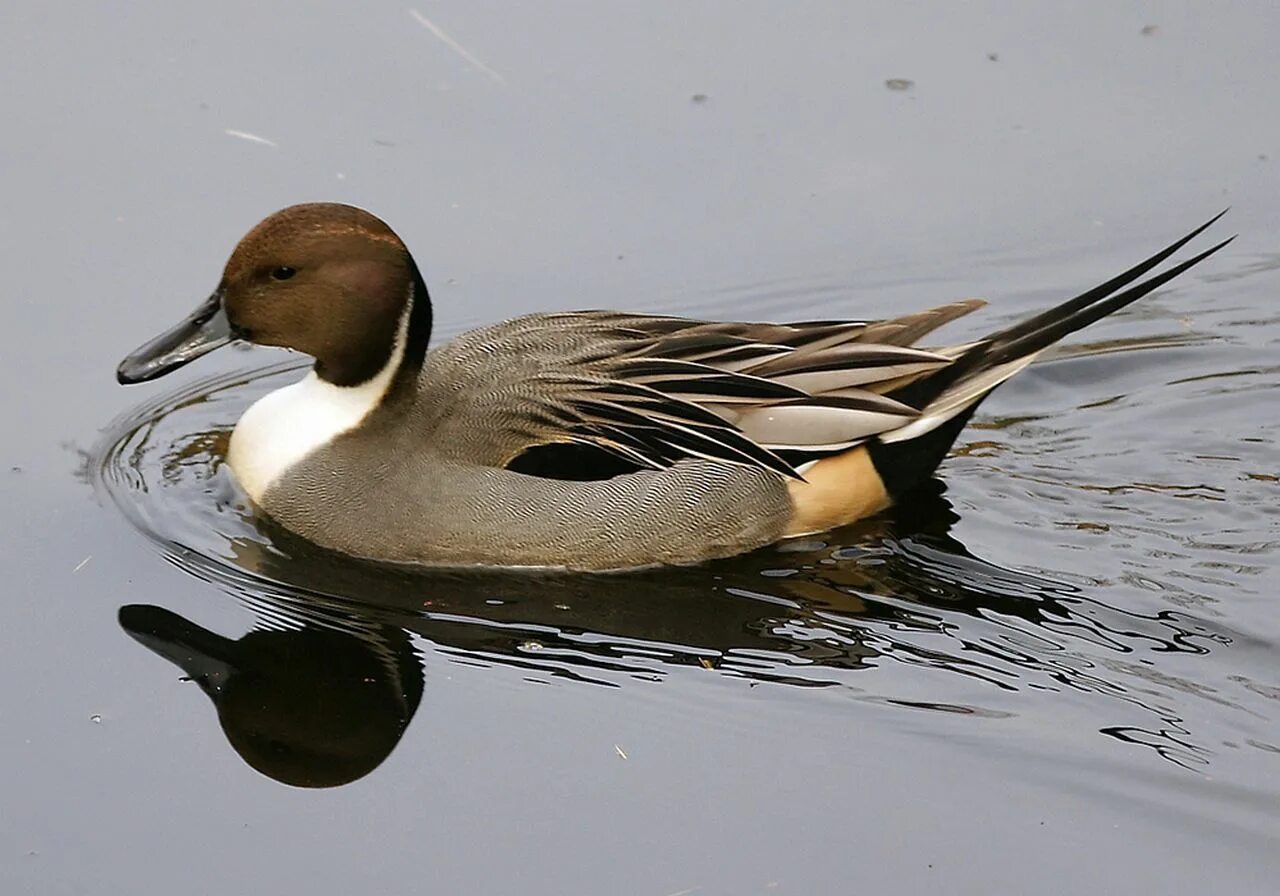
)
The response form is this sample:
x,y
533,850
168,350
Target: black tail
x,y
905,464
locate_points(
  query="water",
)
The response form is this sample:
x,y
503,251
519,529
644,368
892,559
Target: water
x,y
1057,673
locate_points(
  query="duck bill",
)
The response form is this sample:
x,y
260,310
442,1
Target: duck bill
x,y
204,330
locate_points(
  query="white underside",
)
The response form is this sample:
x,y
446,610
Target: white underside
x,y
283,427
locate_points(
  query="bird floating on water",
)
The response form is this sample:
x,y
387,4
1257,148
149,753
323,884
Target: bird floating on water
x,y
588,439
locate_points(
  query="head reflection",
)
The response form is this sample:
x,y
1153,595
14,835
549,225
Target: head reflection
x,y
314,706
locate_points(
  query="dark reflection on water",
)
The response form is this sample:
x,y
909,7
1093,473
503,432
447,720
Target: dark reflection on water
x,y
309,705
322,690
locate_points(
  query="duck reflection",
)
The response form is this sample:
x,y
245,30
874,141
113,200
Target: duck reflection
x,y
322,691
313,706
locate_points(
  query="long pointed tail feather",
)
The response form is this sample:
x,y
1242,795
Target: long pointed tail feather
x,y
1062,324
1087,298
947,398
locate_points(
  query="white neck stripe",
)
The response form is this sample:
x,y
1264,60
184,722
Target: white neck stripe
x,y
283,427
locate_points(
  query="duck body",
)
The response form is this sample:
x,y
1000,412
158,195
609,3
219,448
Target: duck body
x,y
591,440
426,468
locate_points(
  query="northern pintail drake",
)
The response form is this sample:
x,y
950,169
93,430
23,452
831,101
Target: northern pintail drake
x,y
589,439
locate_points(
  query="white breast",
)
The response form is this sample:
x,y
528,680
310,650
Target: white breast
x,y
283,427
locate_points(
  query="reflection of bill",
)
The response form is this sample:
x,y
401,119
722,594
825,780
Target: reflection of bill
x,y
311,707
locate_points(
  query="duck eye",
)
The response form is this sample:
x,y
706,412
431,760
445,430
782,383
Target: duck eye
x,y
282,273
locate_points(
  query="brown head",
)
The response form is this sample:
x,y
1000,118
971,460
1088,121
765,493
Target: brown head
x,y
329,280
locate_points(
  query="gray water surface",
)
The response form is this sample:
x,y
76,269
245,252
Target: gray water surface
x,y
1060,674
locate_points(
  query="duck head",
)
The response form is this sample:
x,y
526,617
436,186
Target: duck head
x,y
330,280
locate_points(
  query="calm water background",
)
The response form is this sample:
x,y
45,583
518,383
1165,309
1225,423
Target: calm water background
x,y
1061,676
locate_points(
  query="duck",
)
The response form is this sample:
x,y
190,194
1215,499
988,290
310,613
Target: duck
x,y
588,440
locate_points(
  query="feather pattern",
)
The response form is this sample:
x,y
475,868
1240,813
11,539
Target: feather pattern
x,y
652,391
